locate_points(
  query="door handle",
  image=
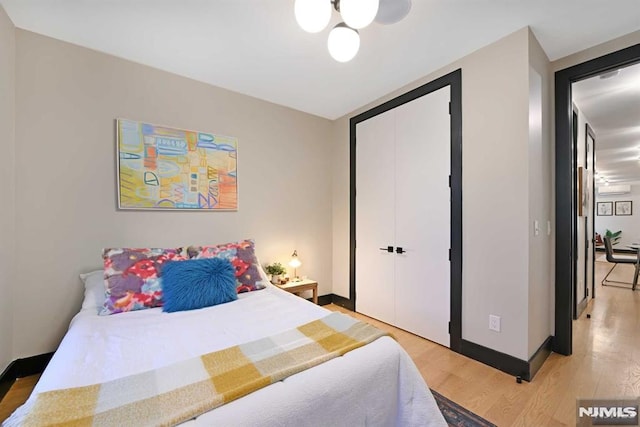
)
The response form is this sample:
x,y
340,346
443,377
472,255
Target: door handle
x,y
388,249
399,250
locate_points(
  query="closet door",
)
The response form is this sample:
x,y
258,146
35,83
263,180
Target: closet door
x,y
375,216
423,216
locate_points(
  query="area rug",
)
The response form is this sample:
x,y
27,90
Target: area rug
x,y
457,416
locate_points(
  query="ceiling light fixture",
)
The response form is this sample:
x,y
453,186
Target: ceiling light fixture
x,y
609,74
344,40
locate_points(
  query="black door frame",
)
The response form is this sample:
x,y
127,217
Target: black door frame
x,y
589,133
575,119
454,80
580,306
566,187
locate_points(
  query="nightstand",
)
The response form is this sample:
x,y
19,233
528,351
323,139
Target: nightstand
x,y
300,286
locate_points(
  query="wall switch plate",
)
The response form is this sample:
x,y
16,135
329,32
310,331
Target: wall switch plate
x,y
548,228
494,323
536,227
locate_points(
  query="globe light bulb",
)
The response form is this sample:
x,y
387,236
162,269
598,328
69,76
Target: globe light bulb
x,y
343,43
312,15
358,13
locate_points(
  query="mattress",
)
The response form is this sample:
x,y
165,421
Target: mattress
x,y
376,385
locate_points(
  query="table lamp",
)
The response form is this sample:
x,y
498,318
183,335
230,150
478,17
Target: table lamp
x,y
295,263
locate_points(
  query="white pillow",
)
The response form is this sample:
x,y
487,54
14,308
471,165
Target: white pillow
x,y
93,290
263,275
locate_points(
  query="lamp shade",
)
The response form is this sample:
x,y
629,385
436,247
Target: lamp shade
x,y
312,15
343,43
358,13
295,261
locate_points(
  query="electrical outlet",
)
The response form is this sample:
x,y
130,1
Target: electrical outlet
x,y
494,323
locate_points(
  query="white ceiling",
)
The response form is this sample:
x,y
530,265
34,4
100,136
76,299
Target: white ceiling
x,y
612,109
255,47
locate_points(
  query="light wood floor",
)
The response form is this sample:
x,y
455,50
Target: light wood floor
x,y
605,364
18,394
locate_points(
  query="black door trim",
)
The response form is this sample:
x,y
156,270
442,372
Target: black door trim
x,y
574,224
592,239
454,80
565,186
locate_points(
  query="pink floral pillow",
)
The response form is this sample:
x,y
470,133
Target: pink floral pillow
x,y
132,277
242,257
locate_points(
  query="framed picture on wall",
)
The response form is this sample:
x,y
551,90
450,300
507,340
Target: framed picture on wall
x,y
605,208
624,208
584,190
581,191
165,168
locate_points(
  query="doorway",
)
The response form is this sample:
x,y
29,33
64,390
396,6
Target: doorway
x,y
567,189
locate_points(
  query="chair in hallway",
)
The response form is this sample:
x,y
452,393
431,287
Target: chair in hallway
x,y
618,259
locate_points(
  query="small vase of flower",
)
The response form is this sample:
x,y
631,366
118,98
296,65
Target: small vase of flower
x,y
275,270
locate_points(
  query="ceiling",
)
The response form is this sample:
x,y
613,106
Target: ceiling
x,y
255,47
612,108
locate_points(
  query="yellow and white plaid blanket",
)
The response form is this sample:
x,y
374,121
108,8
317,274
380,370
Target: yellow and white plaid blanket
x,y
184,390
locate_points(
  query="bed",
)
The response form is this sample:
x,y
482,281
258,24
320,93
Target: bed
x,y
376,384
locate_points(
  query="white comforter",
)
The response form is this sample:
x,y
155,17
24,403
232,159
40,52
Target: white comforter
x,y
376,385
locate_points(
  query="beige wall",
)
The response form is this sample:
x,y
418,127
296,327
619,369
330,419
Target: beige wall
x,y
495,198
596,51
340,186
7,213
495,105
541,191
67,100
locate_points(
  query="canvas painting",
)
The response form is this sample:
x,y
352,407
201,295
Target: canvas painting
x,y
167,168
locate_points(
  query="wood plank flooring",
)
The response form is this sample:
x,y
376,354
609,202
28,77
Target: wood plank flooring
x,y
18,394
605,364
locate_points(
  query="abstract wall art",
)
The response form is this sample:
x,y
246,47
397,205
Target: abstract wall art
x,y
167,168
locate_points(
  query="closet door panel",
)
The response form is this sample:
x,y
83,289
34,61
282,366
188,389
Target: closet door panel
x,y
423,216
375,216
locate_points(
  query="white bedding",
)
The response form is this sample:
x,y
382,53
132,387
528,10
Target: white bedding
x,y
376,385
